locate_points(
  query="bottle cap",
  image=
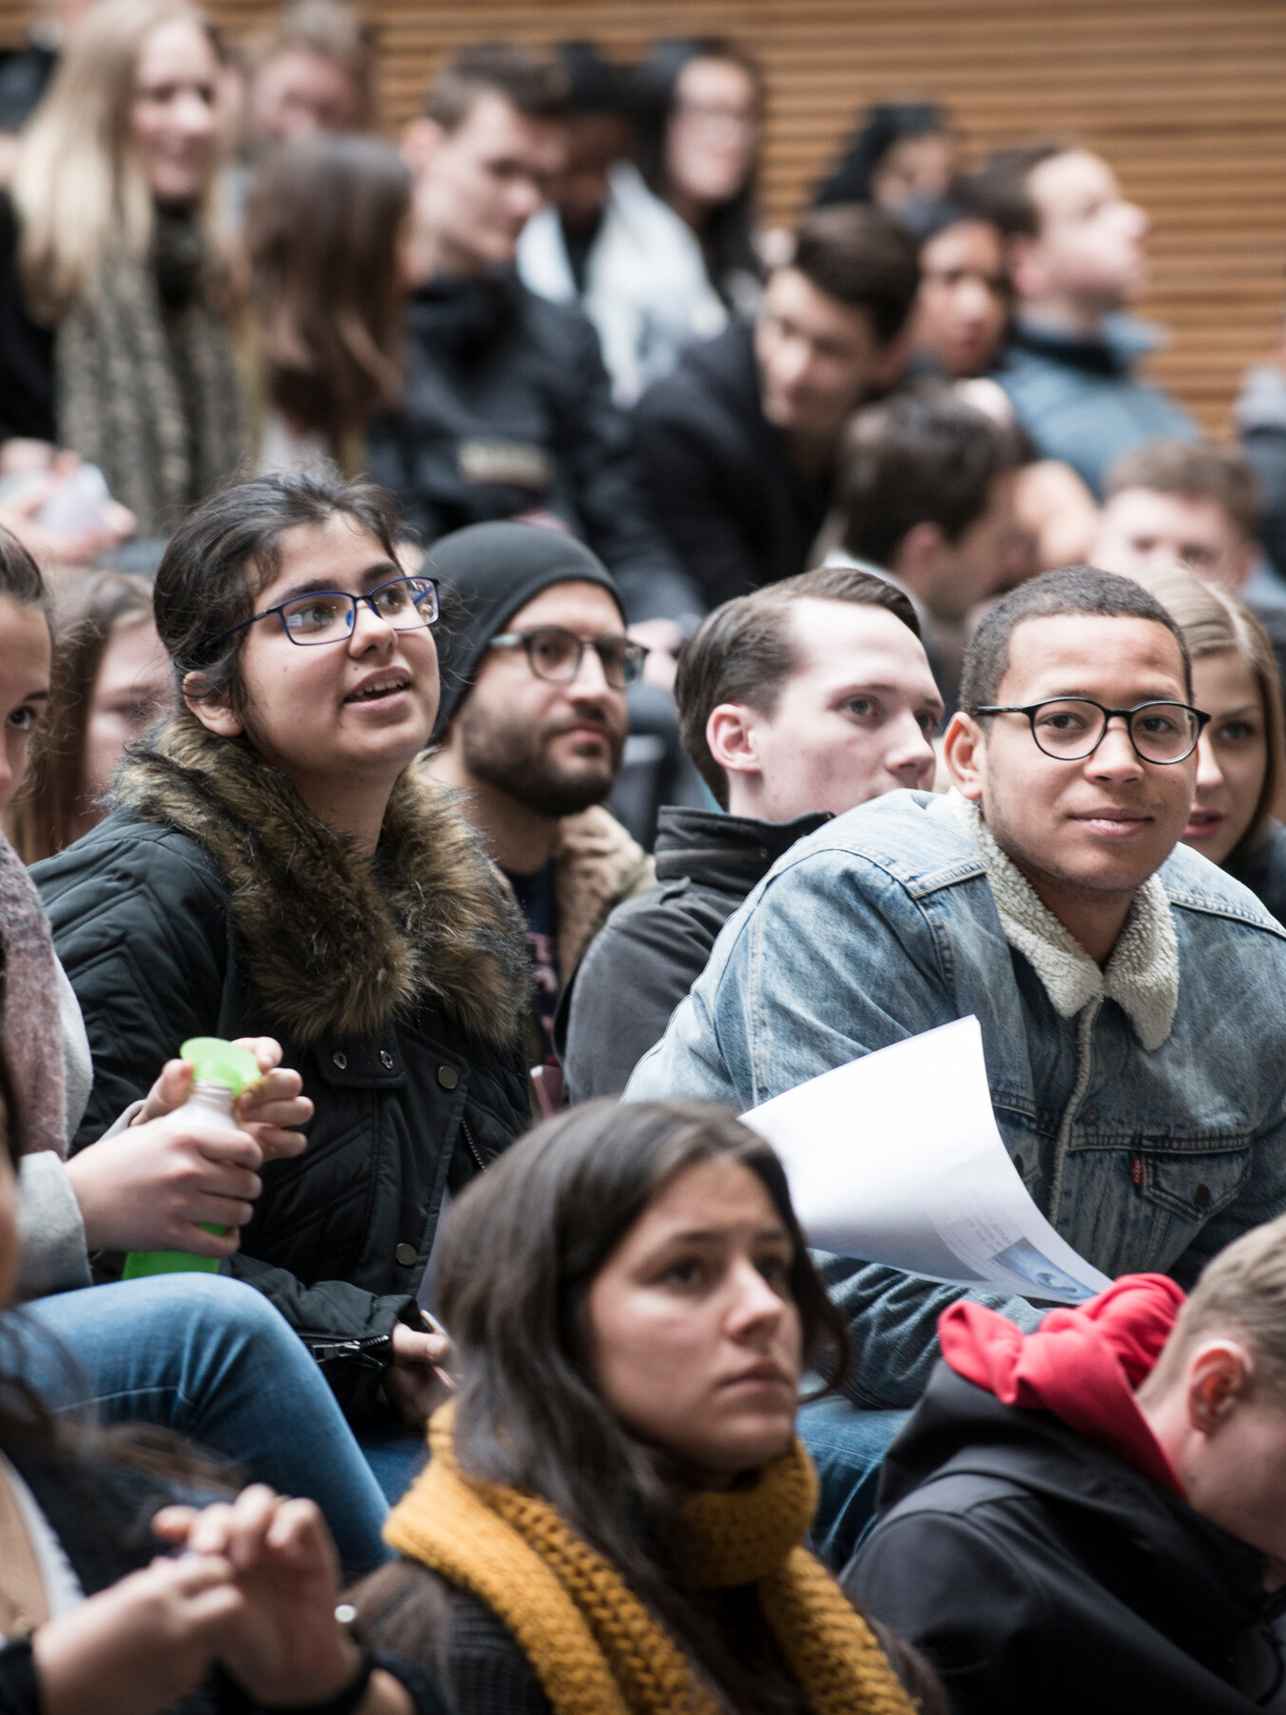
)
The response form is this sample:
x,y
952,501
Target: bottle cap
x,y
218,1062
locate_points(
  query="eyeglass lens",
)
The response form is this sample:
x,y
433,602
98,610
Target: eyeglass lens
x,y
556,654
1160,732
327,616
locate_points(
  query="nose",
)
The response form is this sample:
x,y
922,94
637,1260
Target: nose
x,y
194,115
756,1306
591,679
1115,758
525,197
369,630
792,363
911,760
973,298
1136,220
8,777
1209,773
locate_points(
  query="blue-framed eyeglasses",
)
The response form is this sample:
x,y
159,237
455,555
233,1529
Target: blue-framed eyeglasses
x,y
330,616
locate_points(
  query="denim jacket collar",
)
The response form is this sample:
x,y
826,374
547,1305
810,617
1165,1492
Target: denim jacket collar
x,y
1142,975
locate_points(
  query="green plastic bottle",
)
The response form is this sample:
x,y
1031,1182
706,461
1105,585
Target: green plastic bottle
x,y
222,1071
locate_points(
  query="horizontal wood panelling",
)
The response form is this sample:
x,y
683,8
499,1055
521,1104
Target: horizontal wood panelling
x,y
1186,98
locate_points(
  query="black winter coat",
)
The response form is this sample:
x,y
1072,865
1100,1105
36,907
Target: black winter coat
x,y
211,902
507,409
653,948
1038,1571
724,487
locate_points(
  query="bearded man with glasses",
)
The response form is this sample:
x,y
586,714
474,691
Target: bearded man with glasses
x,y
1132,997
531,726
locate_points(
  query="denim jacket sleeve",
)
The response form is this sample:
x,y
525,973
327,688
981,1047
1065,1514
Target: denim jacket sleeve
x,y
831,958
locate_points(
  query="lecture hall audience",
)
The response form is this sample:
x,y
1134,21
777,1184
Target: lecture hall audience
x,y
664,473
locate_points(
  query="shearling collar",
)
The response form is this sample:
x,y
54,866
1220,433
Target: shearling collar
x,y
1142,975
336,942
598,865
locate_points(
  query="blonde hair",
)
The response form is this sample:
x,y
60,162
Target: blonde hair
x,y
77,183
1215,623
1241,1293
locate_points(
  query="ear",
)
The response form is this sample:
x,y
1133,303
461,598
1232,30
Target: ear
x,y
964,750
1219,1375
421,140
730,734
215,714
918,555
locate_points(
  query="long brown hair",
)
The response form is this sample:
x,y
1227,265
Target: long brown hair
x,y
87,611
520,1252
323,227
1214,623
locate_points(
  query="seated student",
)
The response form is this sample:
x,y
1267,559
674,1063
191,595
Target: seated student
x,y
655,257
531,726
1127,993
739,445
899,150
962,307
93,1622
1091,1516
206,1356
615,1512
111,681
1192,501
795,703
925,492
506,409
1077,262
1241,759
314,71
272,867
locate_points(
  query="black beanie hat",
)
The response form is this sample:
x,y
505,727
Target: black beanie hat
x,y
488,572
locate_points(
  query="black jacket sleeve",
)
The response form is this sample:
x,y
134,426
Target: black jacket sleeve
x,y
598,445
141,925
686,488
633,974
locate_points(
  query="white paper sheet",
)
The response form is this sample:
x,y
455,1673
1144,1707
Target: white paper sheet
x,y
896,1158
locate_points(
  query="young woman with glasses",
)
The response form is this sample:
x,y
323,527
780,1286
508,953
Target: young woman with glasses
x,y
270,867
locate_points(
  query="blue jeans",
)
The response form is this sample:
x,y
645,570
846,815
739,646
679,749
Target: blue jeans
x,y
395,1455
847,1445
210,1358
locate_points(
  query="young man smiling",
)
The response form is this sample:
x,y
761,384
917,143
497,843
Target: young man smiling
x,y
1128,992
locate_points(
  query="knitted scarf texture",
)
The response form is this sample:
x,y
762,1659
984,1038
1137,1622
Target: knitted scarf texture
x,y
594,1647
147,382
32,1029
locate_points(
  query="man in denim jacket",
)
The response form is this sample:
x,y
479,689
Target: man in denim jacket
x,y
1132,997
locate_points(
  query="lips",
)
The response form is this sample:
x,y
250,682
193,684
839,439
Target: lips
x,y
766,1374
1202,823
379,685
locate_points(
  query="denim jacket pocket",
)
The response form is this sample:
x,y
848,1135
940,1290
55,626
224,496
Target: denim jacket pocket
x,y
1177,1192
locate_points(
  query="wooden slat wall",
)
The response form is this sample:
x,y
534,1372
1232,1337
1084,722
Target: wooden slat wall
x,y
1187,98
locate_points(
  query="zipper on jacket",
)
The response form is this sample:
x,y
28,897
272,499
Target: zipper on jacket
x,y
471,1146
360,1346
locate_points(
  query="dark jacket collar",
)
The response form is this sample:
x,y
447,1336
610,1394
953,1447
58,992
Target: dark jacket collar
x,y
730,853
1115,348
335,942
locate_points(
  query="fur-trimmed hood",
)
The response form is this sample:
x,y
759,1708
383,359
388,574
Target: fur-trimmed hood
x,y
335,941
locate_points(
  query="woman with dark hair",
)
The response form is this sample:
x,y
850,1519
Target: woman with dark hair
x,y
272,867
111,681
657,254
900,150
326,226
1241,772
615,1509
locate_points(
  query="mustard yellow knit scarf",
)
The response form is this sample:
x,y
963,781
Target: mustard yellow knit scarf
x,y
594,1647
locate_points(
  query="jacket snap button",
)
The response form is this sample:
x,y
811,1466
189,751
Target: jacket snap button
x,y
386,1060
1201,1197
339,1060
405,1254
448,1077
